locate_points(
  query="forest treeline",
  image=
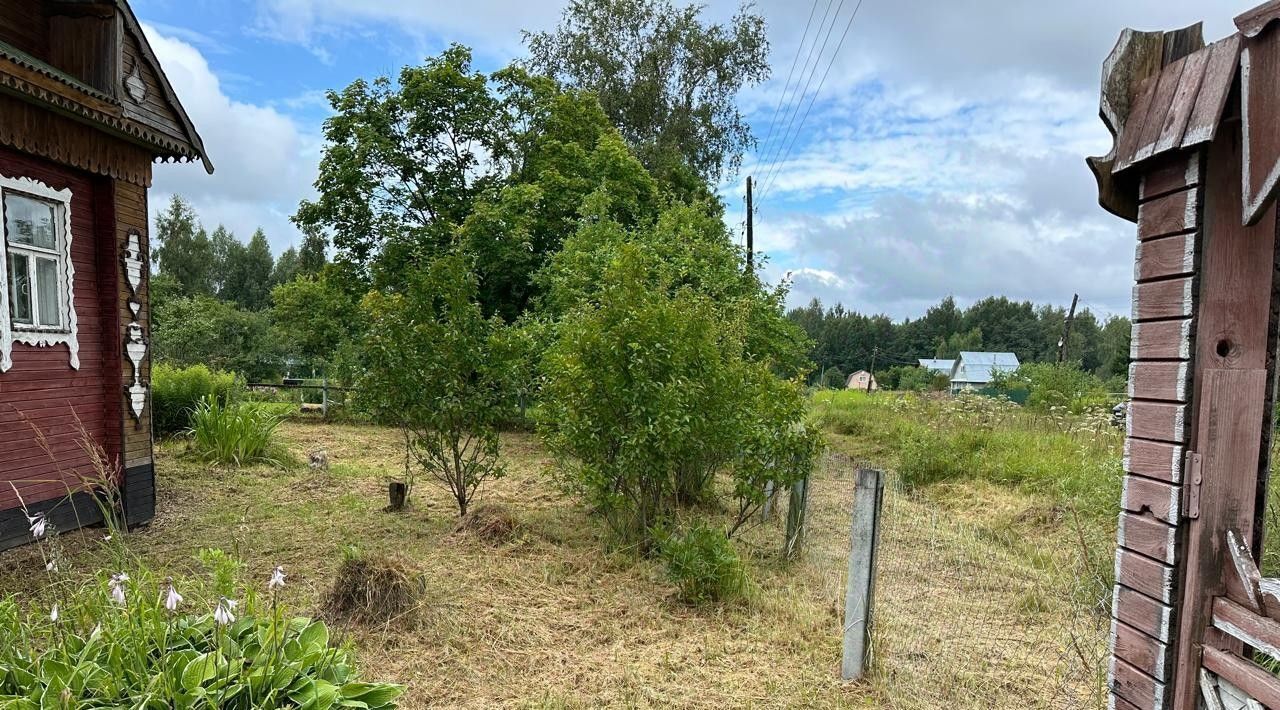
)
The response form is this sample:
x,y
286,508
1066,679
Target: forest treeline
x,y
845,341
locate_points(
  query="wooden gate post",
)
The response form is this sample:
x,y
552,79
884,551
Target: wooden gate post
x,y
1196,163
859,598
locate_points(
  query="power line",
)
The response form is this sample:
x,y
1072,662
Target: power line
x,y
787,84
812,99
776,151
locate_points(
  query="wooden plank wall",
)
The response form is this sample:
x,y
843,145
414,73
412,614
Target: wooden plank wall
x,y
1164,299
42,389
131,215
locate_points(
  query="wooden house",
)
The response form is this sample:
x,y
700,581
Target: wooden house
x,y
861,380
973,371
85,109
1196,164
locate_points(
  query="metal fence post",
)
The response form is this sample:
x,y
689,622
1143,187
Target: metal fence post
x,y
868,495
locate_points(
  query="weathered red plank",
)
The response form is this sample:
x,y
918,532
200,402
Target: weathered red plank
x,y
1157,421
1157,110
1145,575
1259,632
1135,686
1141,651
1161,340
1167,256
1159,380
1219,75
1184,101
1260,85
1120,703
1161,499
1153,459
1172,214
1245,675
1252,22
1147,535
1172,174
1163,299
1142,613
1131,136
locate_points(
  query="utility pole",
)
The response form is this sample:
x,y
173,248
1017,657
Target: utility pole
x,y
751,242
1066,329
871,374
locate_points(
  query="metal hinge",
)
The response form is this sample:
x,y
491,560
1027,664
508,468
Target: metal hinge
x,y
1191,479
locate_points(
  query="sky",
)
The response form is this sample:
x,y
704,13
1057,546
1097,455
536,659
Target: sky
x,y
941,154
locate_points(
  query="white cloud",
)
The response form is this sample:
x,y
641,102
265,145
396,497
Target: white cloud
x,y
264,161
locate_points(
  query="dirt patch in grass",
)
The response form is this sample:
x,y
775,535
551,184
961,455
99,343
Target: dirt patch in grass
x,y
557,621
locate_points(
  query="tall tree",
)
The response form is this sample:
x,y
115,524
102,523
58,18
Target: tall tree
x,y
666,79
184,251
403,163
286,268
311,255
248,281
226,251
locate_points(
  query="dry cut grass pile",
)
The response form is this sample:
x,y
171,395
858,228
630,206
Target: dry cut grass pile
x,y
524,606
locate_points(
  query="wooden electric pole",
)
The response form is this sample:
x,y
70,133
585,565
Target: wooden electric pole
x,y
751,242
871,374
1066,329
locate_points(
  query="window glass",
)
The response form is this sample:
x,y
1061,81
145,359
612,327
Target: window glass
x,y
20,288
29,221
50,308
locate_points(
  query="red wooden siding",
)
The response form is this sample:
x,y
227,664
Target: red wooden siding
x,y
1167,256
42,390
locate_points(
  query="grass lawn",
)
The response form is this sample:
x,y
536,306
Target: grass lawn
x,y
975,600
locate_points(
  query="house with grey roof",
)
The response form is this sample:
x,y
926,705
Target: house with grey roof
x,y
975,370
941,367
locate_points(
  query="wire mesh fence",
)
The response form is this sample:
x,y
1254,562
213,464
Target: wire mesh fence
x,y
967,616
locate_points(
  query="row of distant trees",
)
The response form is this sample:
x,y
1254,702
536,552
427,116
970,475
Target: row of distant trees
x,y
846,341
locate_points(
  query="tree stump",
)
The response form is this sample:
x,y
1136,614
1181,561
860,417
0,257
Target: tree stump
x,y
398,492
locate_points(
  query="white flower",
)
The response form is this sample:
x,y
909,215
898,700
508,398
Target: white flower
x,y
117,587
38,524
53,614
171,597
51,566
277,579
223,613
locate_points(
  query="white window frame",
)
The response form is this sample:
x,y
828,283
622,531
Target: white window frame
x,y
37,335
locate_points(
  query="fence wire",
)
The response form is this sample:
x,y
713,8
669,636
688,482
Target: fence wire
x,y
970,617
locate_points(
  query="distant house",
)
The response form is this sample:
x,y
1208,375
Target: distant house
x,y
974,371
942,367
861,380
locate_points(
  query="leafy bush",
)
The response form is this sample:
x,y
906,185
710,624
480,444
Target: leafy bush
x,y
1058,385
704,565
128,640
177,391
238,433
427,365
203,330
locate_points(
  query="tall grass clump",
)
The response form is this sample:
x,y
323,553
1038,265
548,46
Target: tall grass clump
x,y
236,433
177,391
704,565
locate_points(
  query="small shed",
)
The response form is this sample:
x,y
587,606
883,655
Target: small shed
x,y
861,380
976,370
938,366
85,109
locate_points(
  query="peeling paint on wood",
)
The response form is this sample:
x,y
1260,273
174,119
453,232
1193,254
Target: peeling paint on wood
x,y
1143,495
1145,575
1157,421
1158,380
1153,459
1142,612
1163,299
1174,213
1147,535
1168,256
1161,340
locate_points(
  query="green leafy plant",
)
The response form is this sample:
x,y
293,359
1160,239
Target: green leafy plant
x,y
426,366
704,565
237,433
177,391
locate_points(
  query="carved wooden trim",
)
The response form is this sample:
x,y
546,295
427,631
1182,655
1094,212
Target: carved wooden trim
x,y
35,337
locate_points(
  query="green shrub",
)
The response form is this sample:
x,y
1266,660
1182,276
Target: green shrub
x,y
704,565
175,392
239,433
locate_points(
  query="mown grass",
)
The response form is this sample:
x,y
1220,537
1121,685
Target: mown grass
x,y
972,604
